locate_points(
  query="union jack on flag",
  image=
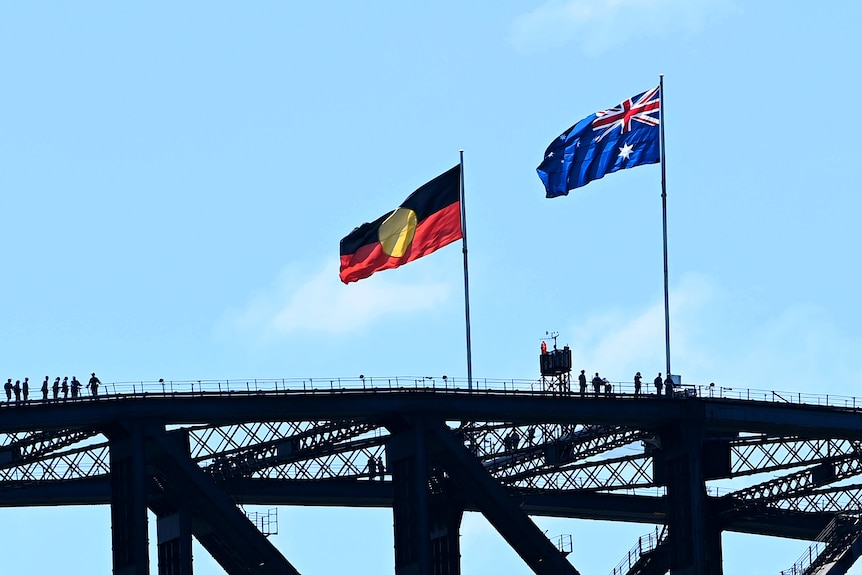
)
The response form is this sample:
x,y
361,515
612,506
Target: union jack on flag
x,y
644,108
624,136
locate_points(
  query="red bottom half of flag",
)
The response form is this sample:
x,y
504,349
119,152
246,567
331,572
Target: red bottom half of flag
x,y
432,233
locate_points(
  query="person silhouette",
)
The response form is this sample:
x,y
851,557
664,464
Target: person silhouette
x,y
93,384
597,384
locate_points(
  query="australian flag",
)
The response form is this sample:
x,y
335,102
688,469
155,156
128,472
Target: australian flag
x,y
624,136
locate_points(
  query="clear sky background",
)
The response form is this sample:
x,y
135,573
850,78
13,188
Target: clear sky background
x,y
176,177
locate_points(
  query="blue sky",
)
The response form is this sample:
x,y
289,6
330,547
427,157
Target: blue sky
x,y
176,178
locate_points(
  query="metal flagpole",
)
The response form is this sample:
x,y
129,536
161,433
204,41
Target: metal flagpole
x,y
466,278
664,221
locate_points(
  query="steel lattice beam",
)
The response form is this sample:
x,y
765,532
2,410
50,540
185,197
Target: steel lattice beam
x,y
219,526
490,497
554,455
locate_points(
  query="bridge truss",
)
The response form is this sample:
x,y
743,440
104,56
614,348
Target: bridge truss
x,y
786,470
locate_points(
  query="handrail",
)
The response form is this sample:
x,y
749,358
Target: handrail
x,y
645,544
444,383
823,540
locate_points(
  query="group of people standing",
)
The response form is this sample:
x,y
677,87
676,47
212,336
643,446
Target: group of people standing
x,y
21,390
667,383
602,384
599,383
376,467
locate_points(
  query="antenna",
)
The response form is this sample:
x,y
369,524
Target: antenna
x,y
554,335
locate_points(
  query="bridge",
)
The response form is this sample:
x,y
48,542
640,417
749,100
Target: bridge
x,y
431,449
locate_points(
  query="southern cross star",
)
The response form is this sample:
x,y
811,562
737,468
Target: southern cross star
x,y
626,151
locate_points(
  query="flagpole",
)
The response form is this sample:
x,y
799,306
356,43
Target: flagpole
x,y
466,277
664,223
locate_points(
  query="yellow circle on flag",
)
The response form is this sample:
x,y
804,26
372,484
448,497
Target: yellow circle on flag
x,y
396,232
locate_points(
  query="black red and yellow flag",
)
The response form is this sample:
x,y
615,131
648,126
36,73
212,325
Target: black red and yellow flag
x,y
427,220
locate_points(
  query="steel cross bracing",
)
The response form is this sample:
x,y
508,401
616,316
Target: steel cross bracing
x,y
304,450
830,500
44,455
537,462
32,445
321,449
316,450
762,454
827,471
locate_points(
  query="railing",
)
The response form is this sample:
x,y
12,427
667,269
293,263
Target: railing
x,y
825,538
563,543
444,383
266,522
806,559
645,544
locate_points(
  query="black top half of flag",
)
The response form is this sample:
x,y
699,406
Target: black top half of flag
x,y
430,198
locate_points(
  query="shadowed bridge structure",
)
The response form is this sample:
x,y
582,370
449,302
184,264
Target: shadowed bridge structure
x,y
788,466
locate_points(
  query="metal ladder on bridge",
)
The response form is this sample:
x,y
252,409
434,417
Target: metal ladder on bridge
x,y
644,558
837,546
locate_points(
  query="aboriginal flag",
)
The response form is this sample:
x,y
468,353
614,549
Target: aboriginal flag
x,y
427,220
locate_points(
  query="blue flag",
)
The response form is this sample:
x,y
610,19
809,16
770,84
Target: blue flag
x,y
622,137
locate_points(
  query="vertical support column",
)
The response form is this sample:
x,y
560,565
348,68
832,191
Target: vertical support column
x,y
426,508
407,459
694,535
175,543
712,542
446,514
129,502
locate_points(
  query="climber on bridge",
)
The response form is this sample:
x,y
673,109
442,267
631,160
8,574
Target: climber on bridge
x,y
93,384
597,384
582,381
657,383
76,387
45,389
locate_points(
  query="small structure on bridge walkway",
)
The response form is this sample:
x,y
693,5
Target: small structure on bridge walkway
x,y
555,366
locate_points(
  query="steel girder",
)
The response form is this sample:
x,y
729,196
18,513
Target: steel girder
x,y
322,450
573,454
233,541
489,496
